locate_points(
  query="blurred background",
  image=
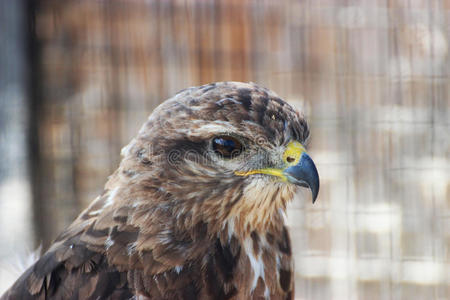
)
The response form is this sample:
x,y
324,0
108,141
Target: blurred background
x,y
78,78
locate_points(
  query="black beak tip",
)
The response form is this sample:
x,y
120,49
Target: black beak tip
x,y
315,192
304,174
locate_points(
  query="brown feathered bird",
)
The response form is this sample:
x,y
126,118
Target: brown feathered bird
x,y
195,209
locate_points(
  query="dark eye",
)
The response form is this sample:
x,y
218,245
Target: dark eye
x,y
227,146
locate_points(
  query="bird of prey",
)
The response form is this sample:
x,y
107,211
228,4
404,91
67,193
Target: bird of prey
x,y
195,209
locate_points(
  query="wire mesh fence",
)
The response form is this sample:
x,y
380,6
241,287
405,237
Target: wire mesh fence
x,y
373,78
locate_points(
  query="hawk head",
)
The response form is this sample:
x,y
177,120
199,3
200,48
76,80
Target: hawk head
x,y
224,153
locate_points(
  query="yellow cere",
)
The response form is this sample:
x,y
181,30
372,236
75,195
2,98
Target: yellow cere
x,y
294,151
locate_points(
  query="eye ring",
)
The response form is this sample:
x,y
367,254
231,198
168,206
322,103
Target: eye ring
x,y
227,146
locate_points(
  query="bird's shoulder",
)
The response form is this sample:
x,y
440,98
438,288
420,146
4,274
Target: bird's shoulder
x,y
103,253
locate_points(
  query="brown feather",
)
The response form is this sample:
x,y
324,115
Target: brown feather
x,y
174,222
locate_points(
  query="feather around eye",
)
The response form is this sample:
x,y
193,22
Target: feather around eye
x,y
227,146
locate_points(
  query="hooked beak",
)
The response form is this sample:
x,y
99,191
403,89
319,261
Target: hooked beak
x,y
300,169
305,174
